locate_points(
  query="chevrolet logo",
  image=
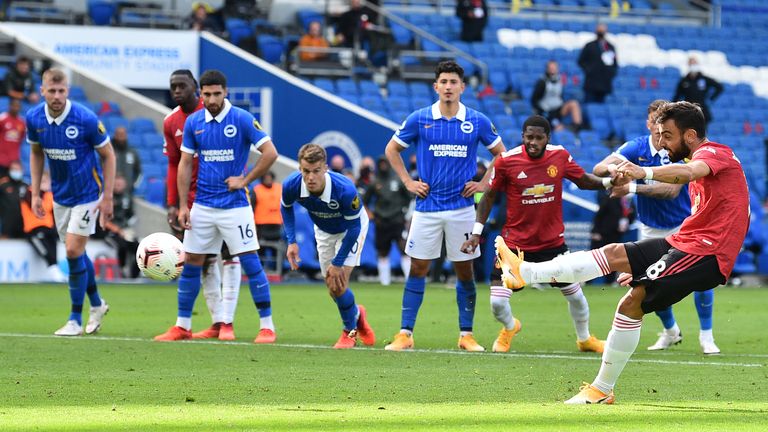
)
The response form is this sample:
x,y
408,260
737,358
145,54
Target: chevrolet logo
x,y
539,190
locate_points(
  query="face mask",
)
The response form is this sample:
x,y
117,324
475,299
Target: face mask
x,y
16,174
365,172
695,68
600,35
552,77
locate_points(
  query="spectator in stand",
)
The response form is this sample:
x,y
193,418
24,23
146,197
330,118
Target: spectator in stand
x,y
12,190
338,164
698,88
474,17
41,231
547,99
19,82
313,39
127,159
202,18
266,213
119,231
598,61
353,24
611,222
12,132
366,175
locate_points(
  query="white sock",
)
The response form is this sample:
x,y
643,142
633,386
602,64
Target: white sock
x,y
500,306
385,271
405,265
573,267
674,330
230,289
266,323
706,335
619,347
579,309
406,331
464,333
185,323
212,290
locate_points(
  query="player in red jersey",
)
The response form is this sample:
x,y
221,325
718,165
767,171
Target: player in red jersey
x,y
659,271
220,298
532,176
12,133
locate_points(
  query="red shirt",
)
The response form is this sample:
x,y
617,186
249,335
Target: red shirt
x,y
173,133
534,190
12,130
719,209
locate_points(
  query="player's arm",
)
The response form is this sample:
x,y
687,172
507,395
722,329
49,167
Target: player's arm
x,y
473,187
675,173
481,216
607,166
393,152
109,167
664,191
268,157
183,179
36,164
289,227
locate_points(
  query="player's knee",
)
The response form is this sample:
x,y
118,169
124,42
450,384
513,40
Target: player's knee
x,y
194,259
419,268
631,304
336,292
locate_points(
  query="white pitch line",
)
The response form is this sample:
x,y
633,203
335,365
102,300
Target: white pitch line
x,y
537,355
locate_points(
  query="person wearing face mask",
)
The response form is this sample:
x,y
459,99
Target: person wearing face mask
x,y
127,160
547,99
12,189
698,88
41,231
474,17
12,130
598,61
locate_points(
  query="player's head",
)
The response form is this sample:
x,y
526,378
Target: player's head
x,y
650,121
183,86
682,125
449,81
312,165
536,133
213,89
55,90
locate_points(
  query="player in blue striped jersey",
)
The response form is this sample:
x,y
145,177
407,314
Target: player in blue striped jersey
x,y
221,136
70,135
341,224
446,136
661,209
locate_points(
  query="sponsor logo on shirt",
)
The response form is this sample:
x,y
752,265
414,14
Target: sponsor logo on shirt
x,y
219,155
428,125
60,154
448,150
538,192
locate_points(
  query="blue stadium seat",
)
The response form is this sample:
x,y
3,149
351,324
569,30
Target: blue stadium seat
x,y
77,93
101,12
347,85
271,48
368,87
398,103
113,122
419,88
421,102
397,88
325,84
141,125
155,191
306,16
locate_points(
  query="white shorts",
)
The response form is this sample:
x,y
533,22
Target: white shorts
x,y
211,226
647,232
425,238
328,245
80,219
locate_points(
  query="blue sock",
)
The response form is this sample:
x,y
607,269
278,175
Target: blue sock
x,y
705,303
92,290
413,295
258,283
189,287
667,317
466,294
77,283
347,309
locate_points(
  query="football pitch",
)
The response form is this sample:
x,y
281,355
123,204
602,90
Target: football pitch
x,y
121,380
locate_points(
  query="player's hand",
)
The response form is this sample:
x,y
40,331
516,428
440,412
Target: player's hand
x,y
173,219
470,245
620,191
627,172
334,277
184,219
37,206
236,183
473,187
292,253
106,211
624,279
418,188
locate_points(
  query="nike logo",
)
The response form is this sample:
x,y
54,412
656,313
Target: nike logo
x,y
427,126
641,159
198,132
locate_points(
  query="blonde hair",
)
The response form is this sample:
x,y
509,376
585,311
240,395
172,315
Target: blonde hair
x,y
56,76
312,153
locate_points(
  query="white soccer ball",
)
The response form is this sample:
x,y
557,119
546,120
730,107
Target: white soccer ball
x,y
160,257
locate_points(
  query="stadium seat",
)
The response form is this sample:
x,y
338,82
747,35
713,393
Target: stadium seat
x,y
141,125
271,48
306,16
101,12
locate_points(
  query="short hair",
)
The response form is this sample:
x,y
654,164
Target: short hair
x,y
23,59
312,153
449,66
686,115
655,105
213,77
187,73
55,76
538,121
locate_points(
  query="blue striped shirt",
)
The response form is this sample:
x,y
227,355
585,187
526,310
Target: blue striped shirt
x,y
222,144
446,152
69,142
654,212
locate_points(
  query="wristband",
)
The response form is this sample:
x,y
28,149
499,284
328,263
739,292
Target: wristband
x,y
607,182
648,173
633,188
478,228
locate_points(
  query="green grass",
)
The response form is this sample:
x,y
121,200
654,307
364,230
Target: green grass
x,y
121,380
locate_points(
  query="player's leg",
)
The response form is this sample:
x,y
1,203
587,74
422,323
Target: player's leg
x,y
578,307
424,244
212,295
200,240
502,311
230,292
405,260
705,302
671,334
99,306
383,243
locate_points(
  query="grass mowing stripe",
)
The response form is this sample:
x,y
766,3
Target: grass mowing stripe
x,y
540,355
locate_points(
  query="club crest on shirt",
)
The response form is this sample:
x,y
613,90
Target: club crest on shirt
x,y
552,171
71,132
102,129
355,203
467,127
230,131
333,204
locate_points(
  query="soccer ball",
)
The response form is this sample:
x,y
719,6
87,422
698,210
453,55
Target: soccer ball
x,y
160,256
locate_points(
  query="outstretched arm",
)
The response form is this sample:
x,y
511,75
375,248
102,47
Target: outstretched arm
x,y
674,173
